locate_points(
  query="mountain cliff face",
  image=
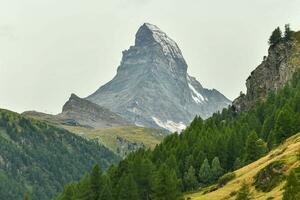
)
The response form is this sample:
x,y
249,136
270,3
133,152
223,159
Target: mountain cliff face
x,y
274,71
152,87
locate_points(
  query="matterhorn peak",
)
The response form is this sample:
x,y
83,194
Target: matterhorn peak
x,y
152,87
149,34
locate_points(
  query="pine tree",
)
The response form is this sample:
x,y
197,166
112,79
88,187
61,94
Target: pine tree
x,y
190,180
106,192
292,187
216,169
244,193
165,184
275,37
205,173
288,33
127,188
255,147
95,182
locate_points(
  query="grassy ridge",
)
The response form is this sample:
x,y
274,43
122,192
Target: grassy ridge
x,y
286,153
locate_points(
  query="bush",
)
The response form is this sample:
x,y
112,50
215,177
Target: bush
x,y
223,180
269,177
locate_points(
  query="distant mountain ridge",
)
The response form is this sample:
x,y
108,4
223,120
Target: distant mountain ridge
x,y
152,87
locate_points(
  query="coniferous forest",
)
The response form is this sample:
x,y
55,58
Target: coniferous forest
x,y
198,156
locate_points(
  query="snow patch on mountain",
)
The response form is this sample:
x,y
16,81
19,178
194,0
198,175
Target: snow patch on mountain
x,y
170,125
198,98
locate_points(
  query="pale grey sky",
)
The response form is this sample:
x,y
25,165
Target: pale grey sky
x,y
51,48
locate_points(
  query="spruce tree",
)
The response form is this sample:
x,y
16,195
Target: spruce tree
x,y
292,187
216,169
255,147
106,193
190,180
127,188
205,174
275,37
95,178
165,185
288,33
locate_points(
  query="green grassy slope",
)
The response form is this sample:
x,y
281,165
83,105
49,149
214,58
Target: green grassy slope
x,y
286,153
148,137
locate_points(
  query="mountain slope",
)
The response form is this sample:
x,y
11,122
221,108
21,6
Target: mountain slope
x,y
286,153
152,87
38,159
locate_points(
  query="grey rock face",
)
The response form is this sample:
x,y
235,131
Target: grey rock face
x,y
152,87
126,147
84,112
275,70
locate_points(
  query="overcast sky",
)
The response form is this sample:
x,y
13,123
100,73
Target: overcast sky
x,y
52,48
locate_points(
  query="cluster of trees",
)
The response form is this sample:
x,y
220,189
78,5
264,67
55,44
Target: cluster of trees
x,y
38,159
292,187
277,35
206,149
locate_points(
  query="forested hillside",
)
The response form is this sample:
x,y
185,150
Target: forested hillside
x,y
202,153
38,159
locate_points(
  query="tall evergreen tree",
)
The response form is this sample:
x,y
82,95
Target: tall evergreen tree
x,y
190,180
205,174
165,185
216,169
255,147
288,33
127,188
95,182
275,37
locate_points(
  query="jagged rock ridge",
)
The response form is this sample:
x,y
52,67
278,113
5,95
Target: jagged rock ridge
x,y
87,113
275,70
152,87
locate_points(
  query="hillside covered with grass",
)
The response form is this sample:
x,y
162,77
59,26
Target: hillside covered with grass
x,y
266,177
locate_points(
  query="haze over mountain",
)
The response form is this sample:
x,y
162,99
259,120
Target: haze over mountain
x,y
152,87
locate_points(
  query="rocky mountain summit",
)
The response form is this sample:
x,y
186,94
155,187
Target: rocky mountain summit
x,y
152,87
275,70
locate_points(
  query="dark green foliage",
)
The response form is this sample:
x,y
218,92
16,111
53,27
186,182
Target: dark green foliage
x,y
40,159
276,37
165,185
288,33
269,177
292,187
96,184
234,138
255,147
223,180
127,188
244,193
190,180
216,169
205,173
26,197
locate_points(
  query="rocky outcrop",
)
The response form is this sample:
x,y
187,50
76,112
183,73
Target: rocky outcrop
x,y
86,113
275,70
125,147
152,87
